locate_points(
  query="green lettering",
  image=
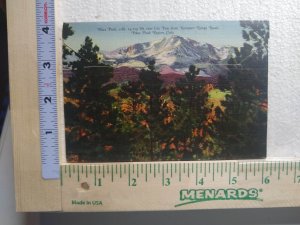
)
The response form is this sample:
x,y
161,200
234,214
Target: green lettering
x,y
220,194
199,194
242,193
253,193
187,194
231,194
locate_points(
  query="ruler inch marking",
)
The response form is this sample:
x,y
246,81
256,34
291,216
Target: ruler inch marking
x,y
78,176
229,182
262,173
112,173
103,171
129,174
179,172
146,175
95,176
295,172
278,171
69,169
246,172
221,169
213,172
120,171
197,173
163,175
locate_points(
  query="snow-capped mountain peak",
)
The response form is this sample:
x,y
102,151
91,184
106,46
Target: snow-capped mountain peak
x,y
175,51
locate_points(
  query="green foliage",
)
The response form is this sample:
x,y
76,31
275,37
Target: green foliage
x,y
190,129
67,32
88,106
242,127
152,86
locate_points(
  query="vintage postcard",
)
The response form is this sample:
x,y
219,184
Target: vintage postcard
x,y
165,90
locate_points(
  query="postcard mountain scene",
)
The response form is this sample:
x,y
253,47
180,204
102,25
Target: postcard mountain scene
x,y
165,90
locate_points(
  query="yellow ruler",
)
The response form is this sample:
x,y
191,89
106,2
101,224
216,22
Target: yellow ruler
x,y
180,185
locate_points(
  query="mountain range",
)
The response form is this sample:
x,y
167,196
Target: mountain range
x,y
172,54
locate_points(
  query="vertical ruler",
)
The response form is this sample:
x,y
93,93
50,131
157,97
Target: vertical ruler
x,y
180,185
45,26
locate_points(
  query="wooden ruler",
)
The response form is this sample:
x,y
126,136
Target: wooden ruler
x,y
180,185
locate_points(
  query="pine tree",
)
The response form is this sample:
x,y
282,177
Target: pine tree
x,y
152,85
88,105
242,127
190,126
131,127
67,32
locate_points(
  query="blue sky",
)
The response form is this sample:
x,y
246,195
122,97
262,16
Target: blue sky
x,y
112,35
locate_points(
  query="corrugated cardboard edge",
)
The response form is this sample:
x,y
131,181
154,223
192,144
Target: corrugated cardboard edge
x,y
32,192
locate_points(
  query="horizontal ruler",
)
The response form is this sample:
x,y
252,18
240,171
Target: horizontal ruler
x,y
180,185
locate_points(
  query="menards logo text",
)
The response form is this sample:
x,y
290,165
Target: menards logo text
x,y
190,196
